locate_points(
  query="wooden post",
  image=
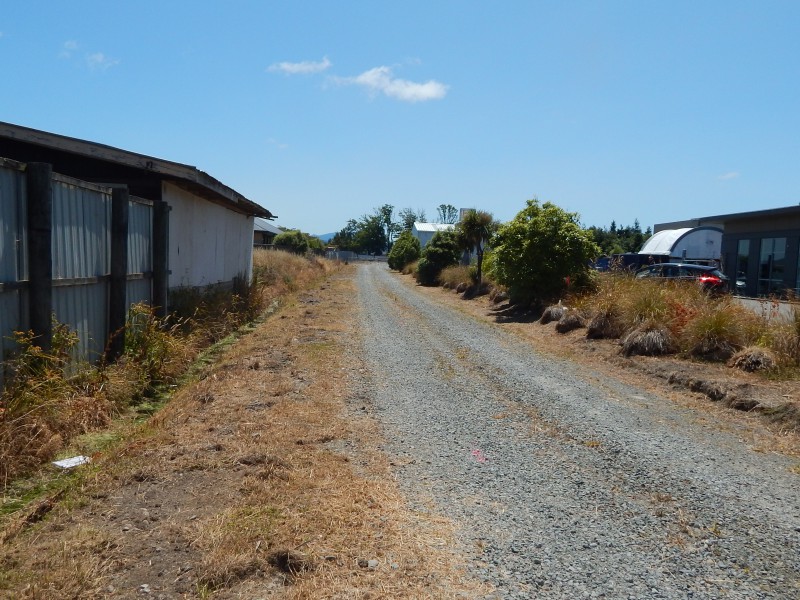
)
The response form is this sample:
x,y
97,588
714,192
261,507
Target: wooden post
x,y
40,252
160,257
117,295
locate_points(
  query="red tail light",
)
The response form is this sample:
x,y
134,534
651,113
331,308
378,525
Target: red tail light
x,y
710,279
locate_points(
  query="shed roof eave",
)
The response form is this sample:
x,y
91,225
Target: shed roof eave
x,y
193,179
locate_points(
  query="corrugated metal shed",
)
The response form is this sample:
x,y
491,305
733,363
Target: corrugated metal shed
x,y
13,253
687,243
264,225
140,251
81,260
661,243
433,227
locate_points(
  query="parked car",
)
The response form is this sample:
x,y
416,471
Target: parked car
x,y
711,278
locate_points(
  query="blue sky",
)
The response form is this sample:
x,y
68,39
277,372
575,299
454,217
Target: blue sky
x,y
322,111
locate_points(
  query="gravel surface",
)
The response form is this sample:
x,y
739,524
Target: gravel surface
x,y
566,483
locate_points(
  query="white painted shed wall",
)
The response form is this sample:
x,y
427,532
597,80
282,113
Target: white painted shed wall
x,y
208,243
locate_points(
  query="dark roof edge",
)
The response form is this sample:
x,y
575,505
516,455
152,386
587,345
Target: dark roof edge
x,y
157,166
768,212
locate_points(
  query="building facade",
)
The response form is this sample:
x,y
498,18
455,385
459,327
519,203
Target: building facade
x,y
760,250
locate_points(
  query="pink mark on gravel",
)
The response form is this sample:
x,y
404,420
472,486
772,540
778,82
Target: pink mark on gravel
x,y
479,455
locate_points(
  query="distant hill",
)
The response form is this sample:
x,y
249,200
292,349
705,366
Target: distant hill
x,y
325,237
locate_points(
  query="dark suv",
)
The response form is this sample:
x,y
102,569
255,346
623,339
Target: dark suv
x,y
711,278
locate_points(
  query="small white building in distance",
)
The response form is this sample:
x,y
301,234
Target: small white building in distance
x,y
424,231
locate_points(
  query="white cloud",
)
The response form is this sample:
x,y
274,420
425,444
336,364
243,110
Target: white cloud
x,y
380,80
100,62
727,176
275,143
301,68
68,48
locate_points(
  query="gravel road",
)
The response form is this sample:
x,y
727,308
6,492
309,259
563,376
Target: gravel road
x,y
566,483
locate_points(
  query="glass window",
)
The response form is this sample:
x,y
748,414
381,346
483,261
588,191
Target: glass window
x,y
797,289
742,259
772,266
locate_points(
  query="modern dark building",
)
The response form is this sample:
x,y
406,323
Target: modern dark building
x,y
760,250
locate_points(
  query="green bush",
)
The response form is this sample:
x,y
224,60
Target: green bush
x,y
293,241
442,251
542,252
405,250
489,264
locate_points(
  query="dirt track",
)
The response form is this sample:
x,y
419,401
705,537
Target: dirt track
x,y
568,482
375,439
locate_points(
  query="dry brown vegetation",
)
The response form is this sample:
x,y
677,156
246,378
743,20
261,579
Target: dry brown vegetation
x,y
675,317
49,399
455,276
658,318
263,475
260,478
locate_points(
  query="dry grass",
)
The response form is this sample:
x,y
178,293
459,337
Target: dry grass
x,y
719,329
649,339
663,317
570,321
552,313
752,359
48,400
455,275
255,481
410,268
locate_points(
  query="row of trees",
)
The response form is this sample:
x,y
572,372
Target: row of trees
x,y
375,233
470,234
618,240
536,256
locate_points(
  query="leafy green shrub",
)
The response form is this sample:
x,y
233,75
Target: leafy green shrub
x,y
405,250
442,251
489,263
541,252
293,241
